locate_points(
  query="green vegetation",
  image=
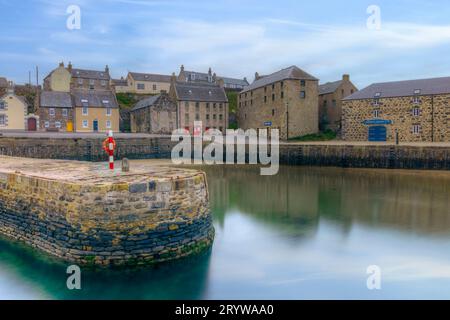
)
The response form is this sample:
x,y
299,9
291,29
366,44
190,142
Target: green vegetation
x,y
321,136
126,100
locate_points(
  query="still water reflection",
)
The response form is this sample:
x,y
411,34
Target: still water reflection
x,y
305,233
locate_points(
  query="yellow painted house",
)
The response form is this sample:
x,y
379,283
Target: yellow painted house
x,y
148,83
95,111
13,110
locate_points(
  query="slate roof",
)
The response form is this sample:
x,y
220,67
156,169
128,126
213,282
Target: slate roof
x,y
3,82
150,77
120,82
161,101
205,92
329,87
404,88
53,99
291,73
238,82
198,76
95,98
145,102
90,74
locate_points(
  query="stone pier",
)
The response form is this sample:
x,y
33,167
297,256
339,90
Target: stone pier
x,y
84,213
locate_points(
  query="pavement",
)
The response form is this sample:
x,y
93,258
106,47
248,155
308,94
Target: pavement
x,y
121,135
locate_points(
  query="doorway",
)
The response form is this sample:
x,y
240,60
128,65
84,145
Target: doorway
x,y
95,125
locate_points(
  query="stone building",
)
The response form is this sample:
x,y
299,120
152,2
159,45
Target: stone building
x,y
120,85
13,110
416,110
229,84
200,101
95,110
286,100
330,102
156,114
67,78
147,83
56,112
3,85
78,100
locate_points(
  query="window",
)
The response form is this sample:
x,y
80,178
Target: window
x,y
197,106
416,100
302,83
214,106
108,111
302,94
342,92
2,105
207,105
214,117
273,97
376,101
85,111
186,116
141,86
91,84
186,106
220,106
80,82
273,86
282,94
58,124
265,99
197,117
416,129
416,112
47,124
265,89
220,117
108,124
376,113
51,112
282,84
65,112
245,116
333,103
273,112
154,87
85,124
103,82
2,119
325,103
207,117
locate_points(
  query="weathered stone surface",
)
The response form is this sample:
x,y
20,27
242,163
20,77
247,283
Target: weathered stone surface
x,y
84,213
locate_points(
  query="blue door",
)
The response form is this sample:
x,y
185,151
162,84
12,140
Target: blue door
x,y
95,125
377,133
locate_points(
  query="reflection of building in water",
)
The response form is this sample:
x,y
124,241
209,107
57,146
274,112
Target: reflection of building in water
x,y
280,200
297,196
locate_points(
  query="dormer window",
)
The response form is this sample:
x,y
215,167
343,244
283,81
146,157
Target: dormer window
x,y
190,91
417,91
210,93
378,94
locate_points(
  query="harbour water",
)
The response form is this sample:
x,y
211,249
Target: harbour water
x,y
302,234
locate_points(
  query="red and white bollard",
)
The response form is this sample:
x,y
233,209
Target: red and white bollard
x,y
109,145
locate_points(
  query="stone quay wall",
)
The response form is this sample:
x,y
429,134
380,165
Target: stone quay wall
x,y
339,155
133,220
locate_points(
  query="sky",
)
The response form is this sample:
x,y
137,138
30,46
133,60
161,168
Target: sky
x,y
236,38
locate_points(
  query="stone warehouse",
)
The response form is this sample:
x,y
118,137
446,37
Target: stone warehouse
x,y
156,114
200,101
83,213
330,102
286,100
415,111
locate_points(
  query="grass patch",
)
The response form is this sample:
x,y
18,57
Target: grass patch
x,y
321,136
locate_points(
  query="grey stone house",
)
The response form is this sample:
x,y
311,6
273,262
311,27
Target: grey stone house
x,y
156,114
56,111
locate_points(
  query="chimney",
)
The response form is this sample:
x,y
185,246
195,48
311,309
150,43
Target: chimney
x,y
61,64
107,69
221,83
69,67
346,77
256,76
214,77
